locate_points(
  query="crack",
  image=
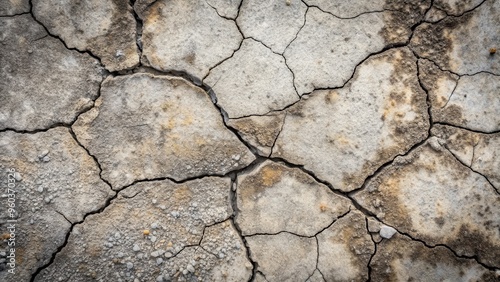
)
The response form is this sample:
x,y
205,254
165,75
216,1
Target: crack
x,y
474,257
138,26
71,223
15,15
317,259
297,34
234,206
465,128
349,18
451,94
278,135
473,170
301,235
374,252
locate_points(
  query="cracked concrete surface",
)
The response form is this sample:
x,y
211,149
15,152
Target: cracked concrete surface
x,y
237,140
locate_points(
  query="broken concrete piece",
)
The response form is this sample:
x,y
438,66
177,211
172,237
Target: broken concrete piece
x,y
254,81
274,23
433,197
103,245
54,183
481,152
274,198
461,44
401,259
390,114
345,249
226,8
187,36
14,7
146,126
259,131
105,28
387,232
272,252
32,97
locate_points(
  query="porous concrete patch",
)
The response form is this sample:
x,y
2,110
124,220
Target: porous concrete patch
x,y
187,36
481,152
259,131
106,28
345,249
274,198
402,259
52,183
462,44
42,83
14,7
145,127
272,252
154,229
433,197
353,130
254,81
275,23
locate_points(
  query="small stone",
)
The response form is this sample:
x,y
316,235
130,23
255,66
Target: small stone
x,y
159,278
130,265
387,232
145,232
17,176
154,225
46,159
190,268
40,189
136,248
159,261
157,253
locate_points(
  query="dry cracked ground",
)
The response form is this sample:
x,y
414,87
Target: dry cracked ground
x,y
237,140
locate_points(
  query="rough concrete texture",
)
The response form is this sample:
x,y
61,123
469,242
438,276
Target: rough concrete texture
x,y
238,140
391,116
106,28
187,36
14,7
402,259
253,81
265,197
145,127
31,96
57,184
462,44
275,23
470,101
433,197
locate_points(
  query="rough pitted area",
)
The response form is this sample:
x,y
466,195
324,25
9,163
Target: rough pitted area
x,y
379,114
249,140
254,81
145,127
266,196
157,229
104,27
42,83
187,36
57,183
